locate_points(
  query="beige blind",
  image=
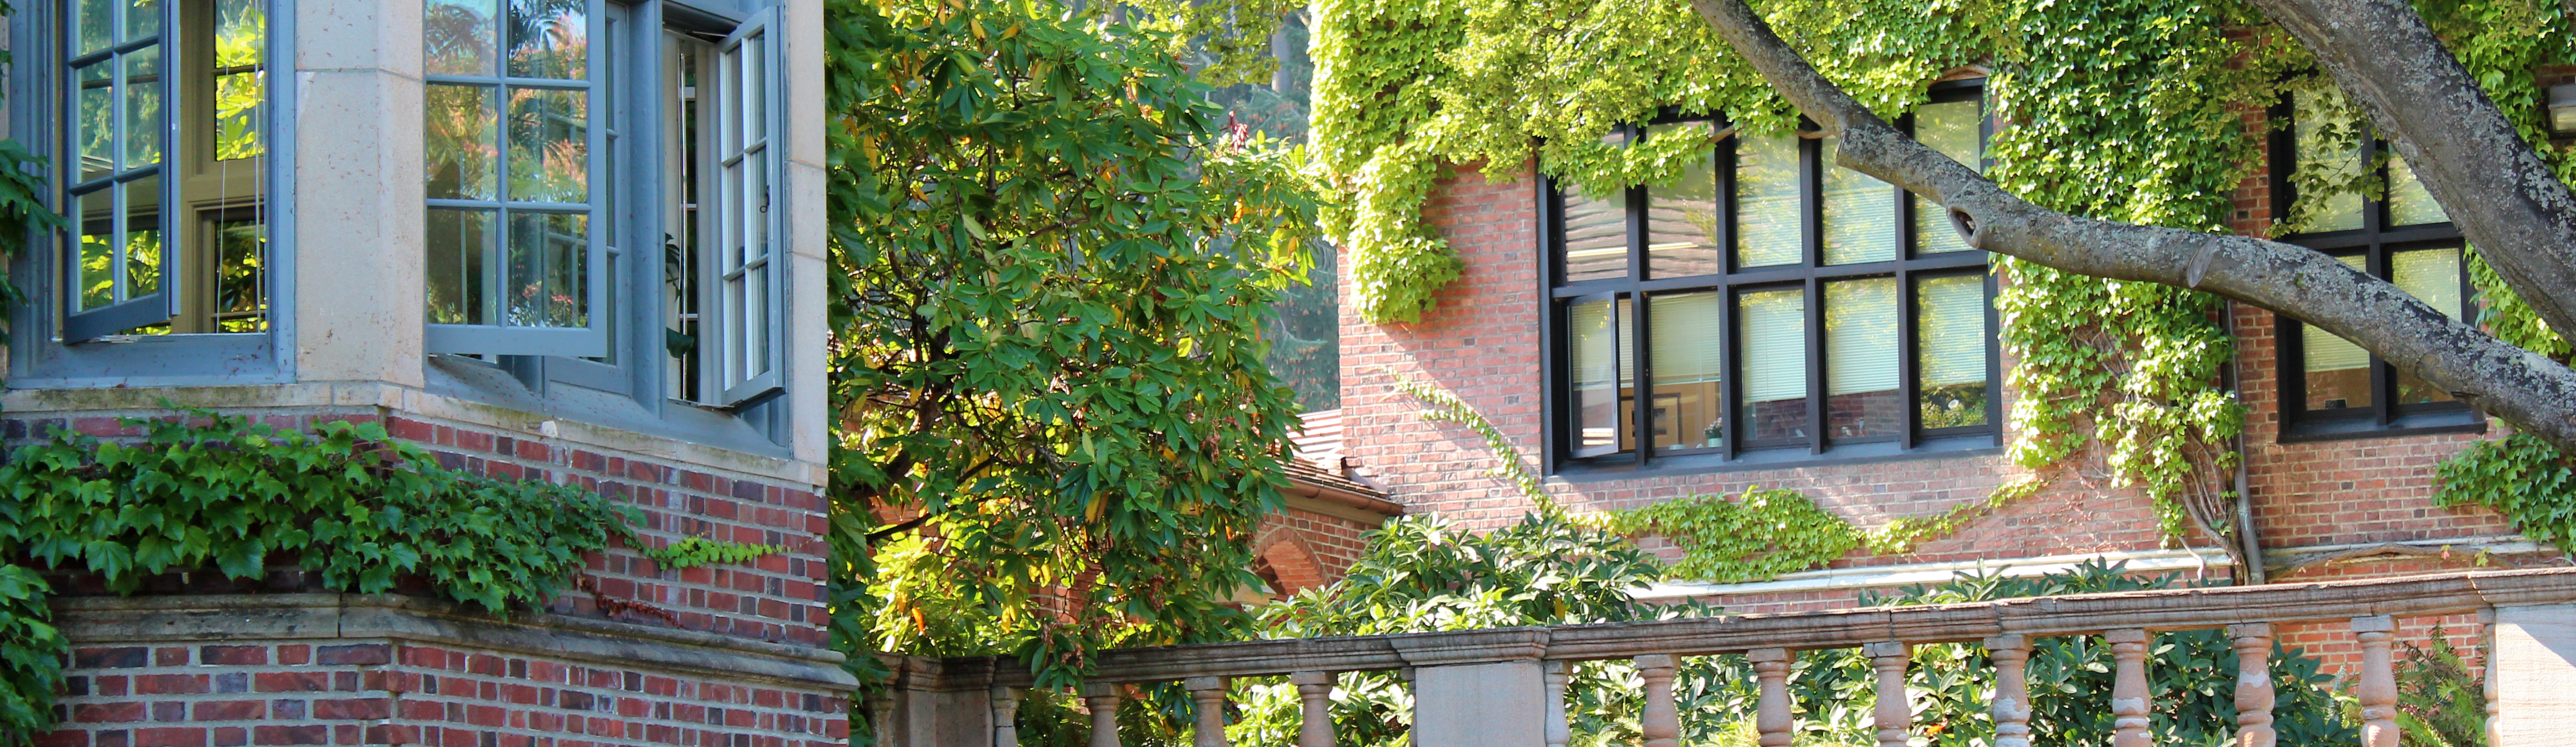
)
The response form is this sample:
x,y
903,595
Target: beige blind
x,y
1685,338
1766,202
1773,326
2431,276
1860,336
1859,214
2326,352
1951,330
1953,128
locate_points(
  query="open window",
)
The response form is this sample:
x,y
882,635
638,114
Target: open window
x,y
165,167
723,219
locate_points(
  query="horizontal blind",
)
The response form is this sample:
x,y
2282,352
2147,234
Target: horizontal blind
x,y
1859,214
1954,128
1774,330
2431,276
2326,352
1685,339
1860,336
1766,202
1951,330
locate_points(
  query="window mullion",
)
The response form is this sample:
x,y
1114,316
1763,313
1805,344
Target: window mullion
x,y
1908,383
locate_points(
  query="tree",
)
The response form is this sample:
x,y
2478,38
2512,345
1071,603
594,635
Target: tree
x,y
2382,54
1051,265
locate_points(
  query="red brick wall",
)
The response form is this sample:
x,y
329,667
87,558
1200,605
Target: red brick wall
x,y
1302,549
242,693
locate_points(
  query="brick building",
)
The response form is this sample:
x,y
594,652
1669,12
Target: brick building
x,y
308,211
1571,307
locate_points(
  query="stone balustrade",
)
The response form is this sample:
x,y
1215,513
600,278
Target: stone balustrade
x,y
1505,686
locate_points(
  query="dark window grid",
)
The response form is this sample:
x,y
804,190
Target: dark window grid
x,y
2377,242
1808,276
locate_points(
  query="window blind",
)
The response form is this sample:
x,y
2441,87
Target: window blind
x,y
1950,326
1774,327
1766,202
1860,336
1955,129
1859,214
1685,338
2430,275
2326,352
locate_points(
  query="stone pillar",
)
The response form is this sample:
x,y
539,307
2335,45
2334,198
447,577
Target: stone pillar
x,y
1006,716
2377,688
1501,704
1314,692
1102,699
1208,694
1773,719
2011,709
359,284
1559,731
2253,684
1895,715
2129,688
1660,724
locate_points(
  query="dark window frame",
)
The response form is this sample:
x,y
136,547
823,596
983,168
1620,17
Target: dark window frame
x,y
1557,296
2378,243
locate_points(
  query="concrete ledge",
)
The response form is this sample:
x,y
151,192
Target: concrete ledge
x,y
223,617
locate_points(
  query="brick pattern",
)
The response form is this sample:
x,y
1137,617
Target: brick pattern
x,y
1303,549
774,598
347,692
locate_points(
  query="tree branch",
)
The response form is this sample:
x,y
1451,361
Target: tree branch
x,y
2506,201
2537,394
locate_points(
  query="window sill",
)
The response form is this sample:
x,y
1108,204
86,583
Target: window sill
x,y
1953,447
2312,431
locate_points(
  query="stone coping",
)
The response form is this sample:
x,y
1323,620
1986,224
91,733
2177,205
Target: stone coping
x,y
2080,614
228,617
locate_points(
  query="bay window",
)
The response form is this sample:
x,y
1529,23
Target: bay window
x,y
1766,306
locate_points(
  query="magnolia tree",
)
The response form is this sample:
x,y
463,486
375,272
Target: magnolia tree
x,y
2381,53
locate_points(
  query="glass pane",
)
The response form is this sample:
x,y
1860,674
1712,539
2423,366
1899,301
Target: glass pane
x,y
457,242
457,36
547,265
1766,202
755,94
1860,214
1597,359
1955,129
753,322
549,145
97,123
2432,276
93,23
2340,211
1862,397
1682,234
2338,372
241,298
2408,202
462,127
97,248
1773,326
755,208
1685,347
142,19
142,91
142,237
241,32
549,39
1596,237
1950,337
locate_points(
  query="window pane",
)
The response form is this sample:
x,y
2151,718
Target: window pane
x,y
1860,214
142,237
1950,337
1766,202
548,258
2408,202
1682,235
98,248
457,241
142,91
2338,372
97,119
2432,276
1598,361
1773,326
2340,162
462,128
1955,128
241,32
142,19
1862,398
549,145
549,39
1596,237
92,26
457,36
241,297
1685,347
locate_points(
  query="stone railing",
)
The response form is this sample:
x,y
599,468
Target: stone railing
x,y
1505,686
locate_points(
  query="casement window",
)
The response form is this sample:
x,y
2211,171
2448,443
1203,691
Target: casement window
x,y
1768,306
604,203
2380,221
163,151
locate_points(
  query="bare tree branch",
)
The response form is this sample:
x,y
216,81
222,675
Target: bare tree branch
x,y
2504,198
2537,394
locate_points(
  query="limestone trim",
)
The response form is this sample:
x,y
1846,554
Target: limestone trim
x,y
223,617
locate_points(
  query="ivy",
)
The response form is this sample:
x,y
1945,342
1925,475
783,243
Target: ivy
x,y
1758,535
693,552
211,492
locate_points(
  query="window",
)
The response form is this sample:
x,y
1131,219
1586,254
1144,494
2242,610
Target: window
x,y
541,257
1768,305
165,179
2376,217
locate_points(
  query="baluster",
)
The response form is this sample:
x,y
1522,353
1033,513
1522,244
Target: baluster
x,y
2129,688
1895,715
1772,720
2253,684
2011,656
1209,694
1661,725
881,715
2495,703
1006,715
2378,686
1315,690
1559,732
1102,699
